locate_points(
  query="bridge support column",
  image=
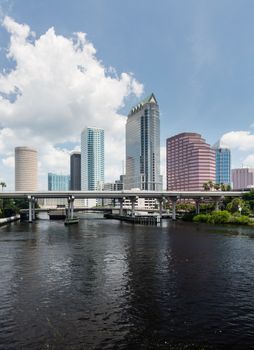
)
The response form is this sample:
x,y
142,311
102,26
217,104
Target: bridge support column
x,y
173,200
160,206
30,214
217,202
121,200
33,208
133,201
70,211
197,206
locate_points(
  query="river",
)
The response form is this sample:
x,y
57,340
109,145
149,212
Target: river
x,y
104,284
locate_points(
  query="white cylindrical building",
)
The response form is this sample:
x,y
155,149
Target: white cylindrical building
x,y
26,169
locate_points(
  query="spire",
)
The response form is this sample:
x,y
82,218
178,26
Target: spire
x,y
150,99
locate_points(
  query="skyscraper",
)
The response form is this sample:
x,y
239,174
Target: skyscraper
x,y
223,164
58,182
75,171
92,159
143,146
26,169
190,162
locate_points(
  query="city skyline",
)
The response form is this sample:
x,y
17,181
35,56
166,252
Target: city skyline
x,y
201,80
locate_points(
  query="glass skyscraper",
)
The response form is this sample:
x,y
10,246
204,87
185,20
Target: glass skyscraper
x,y
143,146
58,182
92,159
223,164
75,168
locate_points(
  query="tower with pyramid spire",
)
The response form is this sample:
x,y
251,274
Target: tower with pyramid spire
x,y
143,146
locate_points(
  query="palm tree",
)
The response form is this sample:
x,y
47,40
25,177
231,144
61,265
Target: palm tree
x,y
210,184
217,187
206,186
2,184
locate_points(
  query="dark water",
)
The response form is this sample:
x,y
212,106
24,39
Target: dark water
x,y
110,285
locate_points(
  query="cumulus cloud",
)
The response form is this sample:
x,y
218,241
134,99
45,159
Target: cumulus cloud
x,y
57,87
241,140
249,161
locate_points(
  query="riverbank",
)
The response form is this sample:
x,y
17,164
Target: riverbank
x,y
4,221
220,217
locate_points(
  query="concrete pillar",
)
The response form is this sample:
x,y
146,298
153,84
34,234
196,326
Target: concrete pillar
x,y
121,206
197,206
160,206
69,208
30,219
217,201
133,201
33,208
72,207
173,200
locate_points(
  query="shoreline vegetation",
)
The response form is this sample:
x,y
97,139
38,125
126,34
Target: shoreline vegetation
x,y
236,211
219,217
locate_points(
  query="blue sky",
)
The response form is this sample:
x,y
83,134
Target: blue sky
x,y
196,56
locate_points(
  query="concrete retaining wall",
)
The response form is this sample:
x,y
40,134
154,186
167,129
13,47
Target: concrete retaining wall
x,y
5,221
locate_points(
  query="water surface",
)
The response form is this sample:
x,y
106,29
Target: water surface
x,y
108,285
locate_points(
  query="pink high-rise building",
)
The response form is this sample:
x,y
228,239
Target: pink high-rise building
x,y
242,178
190,162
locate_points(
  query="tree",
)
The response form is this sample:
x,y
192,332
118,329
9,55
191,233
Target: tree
x,y
206,186
217,187
2,184
209,185
237,203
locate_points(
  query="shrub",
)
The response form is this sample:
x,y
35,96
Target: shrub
x,y
188,217
219,217
201,218
242,220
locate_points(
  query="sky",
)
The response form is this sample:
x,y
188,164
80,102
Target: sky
x,y
65,65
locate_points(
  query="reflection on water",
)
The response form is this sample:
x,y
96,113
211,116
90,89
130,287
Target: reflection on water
x,y
109,285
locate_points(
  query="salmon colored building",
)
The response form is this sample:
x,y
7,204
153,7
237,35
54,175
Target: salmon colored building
x,y
190,162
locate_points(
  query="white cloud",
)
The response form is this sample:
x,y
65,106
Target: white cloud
x,y
249,161
9,162
241,140
58,87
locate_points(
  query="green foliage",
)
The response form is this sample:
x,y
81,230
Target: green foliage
x,y
233,206
219,217
201,218
210,185
240,220
223,217
189,207
249,195
188,217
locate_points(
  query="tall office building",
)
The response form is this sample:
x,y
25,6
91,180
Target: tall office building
x,y
242,178
58,182
223,164
26,169
92,159
190,162
143,146
75,171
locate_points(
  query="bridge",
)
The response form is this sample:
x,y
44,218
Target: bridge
x,y
121,196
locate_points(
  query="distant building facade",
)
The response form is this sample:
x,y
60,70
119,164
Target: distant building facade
x,y
92,159
190,162
26,169
75,171
143,146
223,164
58,182
242,178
